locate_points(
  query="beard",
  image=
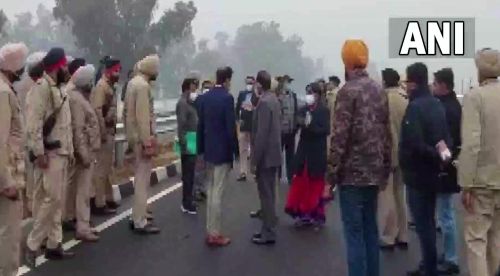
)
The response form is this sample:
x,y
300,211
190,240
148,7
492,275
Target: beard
x,y
62,77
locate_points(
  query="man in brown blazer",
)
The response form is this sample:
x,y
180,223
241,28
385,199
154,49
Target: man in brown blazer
x,y
266,155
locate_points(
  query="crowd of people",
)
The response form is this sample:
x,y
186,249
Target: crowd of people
x,y
381,148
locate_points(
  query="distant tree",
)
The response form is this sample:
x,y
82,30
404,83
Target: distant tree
x,y
3,23
41,31
262,46
124,28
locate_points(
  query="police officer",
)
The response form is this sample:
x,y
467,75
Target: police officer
x,y
104,101
86,141
12,59
51,144
140,126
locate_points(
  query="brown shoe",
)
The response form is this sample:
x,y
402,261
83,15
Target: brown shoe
x,y
218,241
88,237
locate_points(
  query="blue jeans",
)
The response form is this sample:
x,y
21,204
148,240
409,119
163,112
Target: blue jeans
x,y
423,208
448,224
359,215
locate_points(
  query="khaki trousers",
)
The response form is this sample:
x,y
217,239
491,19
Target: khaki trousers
x,y
482,233
143,167
103,171
392,216
78,197
244,143
11,215
48,203
217,177
30,184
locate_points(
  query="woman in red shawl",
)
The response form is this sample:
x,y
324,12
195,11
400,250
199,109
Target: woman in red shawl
x,y
306,198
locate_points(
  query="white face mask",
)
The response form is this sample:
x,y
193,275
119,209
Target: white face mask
x,y
205,91
310,99
193,96
249,87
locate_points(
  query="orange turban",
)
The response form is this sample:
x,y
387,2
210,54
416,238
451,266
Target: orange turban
x,y
355,54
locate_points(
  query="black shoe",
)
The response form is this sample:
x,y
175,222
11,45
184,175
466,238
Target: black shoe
x,y
58,254
30,258
149,229
417,272
242,178
258,240
112,205
189,209
256,214
69,226
387,247
103,211
447,268
402,245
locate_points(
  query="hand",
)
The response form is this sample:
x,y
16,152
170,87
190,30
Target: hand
x,y
42,162
443,150
468,200
11,193
327,192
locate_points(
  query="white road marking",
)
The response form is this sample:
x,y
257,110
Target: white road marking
x,y
103,226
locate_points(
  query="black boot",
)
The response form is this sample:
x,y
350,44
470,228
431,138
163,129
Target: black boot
x,y
58,254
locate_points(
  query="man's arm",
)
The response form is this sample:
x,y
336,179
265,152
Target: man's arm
x,y
261,134
35,116
238,106
78,124
98,100
180,111
6,180
416,141
471,140
342,124
231,125
142,114
201,127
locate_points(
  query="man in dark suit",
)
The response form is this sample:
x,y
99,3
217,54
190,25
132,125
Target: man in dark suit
x,y
266,155
218,144
244,110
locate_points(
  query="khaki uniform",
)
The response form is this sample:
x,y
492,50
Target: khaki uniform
x,y
11,175
140,126
50,183
392,201
479,172
23,89
103,98
86,141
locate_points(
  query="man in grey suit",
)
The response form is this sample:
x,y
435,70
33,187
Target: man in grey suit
x,y
266,155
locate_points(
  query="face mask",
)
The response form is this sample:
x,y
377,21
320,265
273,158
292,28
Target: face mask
x,y
249,87
153,78
310,99
205,91
193,96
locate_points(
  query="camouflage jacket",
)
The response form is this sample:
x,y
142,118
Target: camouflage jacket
x,y
360,152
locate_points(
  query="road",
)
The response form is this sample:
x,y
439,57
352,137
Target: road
x,y
179,250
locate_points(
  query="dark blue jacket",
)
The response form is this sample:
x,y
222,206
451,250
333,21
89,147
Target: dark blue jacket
x,y
423,126
217,127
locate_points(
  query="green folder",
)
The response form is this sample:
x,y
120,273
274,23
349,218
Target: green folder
x,y
191,143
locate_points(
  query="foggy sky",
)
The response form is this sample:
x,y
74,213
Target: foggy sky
x,y
325,24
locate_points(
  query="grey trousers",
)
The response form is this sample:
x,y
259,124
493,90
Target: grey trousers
x,y
266,184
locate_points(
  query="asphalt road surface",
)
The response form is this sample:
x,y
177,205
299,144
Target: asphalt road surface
x,y
179,250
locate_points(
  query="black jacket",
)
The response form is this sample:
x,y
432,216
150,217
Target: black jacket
x,y
312,147
242,115
423,126
453,110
